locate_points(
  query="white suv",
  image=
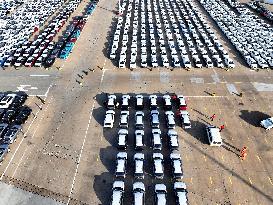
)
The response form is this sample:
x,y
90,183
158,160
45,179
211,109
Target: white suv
x,y
160,194
156,139
214,136
139,193
139,165
109,119
118,191
124,118
158,165
121,164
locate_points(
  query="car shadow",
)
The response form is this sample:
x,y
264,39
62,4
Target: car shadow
x,y
198,131
253,117
102,186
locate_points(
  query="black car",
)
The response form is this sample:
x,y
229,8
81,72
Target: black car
x,y
23,115
49,61
8,115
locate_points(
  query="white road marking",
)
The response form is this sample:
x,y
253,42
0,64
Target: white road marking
x,y
79,159
102,76
215,77
197,80
206,96
34,75
19,145
232,89
263,86
164,77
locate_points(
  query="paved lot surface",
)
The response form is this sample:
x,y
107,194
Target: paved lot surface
x,y
67,156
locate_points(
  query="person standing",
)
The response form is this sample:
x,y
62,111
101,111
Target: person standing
x,y
212,117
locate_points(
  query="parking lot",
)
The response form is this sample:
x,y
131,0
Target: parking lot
x,y
68,157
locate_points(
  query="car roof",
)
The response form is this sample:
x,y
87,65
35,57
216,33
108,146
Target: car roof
x,y
215,133
117,195
161,199
182,197
157,139
120,165
139,166
173,140
122,139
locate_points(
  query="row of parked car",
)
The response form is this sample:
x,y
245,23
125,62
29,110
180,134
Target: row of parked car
x,y
42,51
261,10
139,158
249,34
172,34
160,193
17,27
12,115
74,31
111,104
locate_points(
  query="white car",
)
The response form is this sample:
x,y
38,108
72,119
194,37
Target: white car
x,y
181,193
158,165
160,194
185,119
139,193
214,136
154,62
124,118
176,163
118,191
121,164
109,119
267,123
139,165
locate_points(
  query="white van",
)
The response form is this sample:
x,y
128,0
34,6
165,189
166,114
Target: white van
x,y
214,136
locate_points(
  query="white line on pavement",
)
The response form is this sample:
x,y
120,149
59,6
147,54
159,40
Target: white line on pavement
x,y
78,163
34,75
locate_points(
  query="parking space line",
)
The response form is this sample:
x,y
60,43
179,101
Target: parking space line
x,y
205,158
250,180
270,181
37,75
258,158
210,179
79,159
230,181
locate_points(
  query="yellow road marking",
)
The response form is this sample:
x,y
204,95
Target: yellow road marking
x,y
230,181
205,158
97,158
223,157
210,180
259,158
250,180
191,180
270,181
187,158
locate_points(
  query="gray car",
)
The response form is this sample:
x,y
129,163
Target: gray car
x,y
11,135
